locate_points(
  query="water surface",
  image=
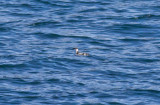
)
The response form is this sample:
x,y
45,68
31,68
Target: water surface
x,y
38,65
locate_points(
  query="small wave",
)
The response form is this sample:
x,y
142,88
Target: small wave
x,y
103,95
146,16
44,35
97,43
143,60
11,65
135,39
5,29
92,10
45,24
146,91
116,103
92,2
53,80
2,44
52,35
54,4
131,26
22,14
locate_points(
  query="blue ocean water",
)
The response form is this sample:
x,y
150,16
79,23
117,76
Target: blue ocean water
x,y
38,65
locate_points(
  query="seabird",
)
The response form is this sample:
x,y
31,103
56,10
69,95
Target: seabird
x,y
78,53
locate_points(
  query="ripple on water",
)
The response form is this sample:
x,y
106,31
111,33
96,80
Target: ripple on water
x,y
39,66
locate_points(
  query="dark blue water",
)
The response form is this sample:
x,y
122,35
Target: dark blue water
x,y
38,65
